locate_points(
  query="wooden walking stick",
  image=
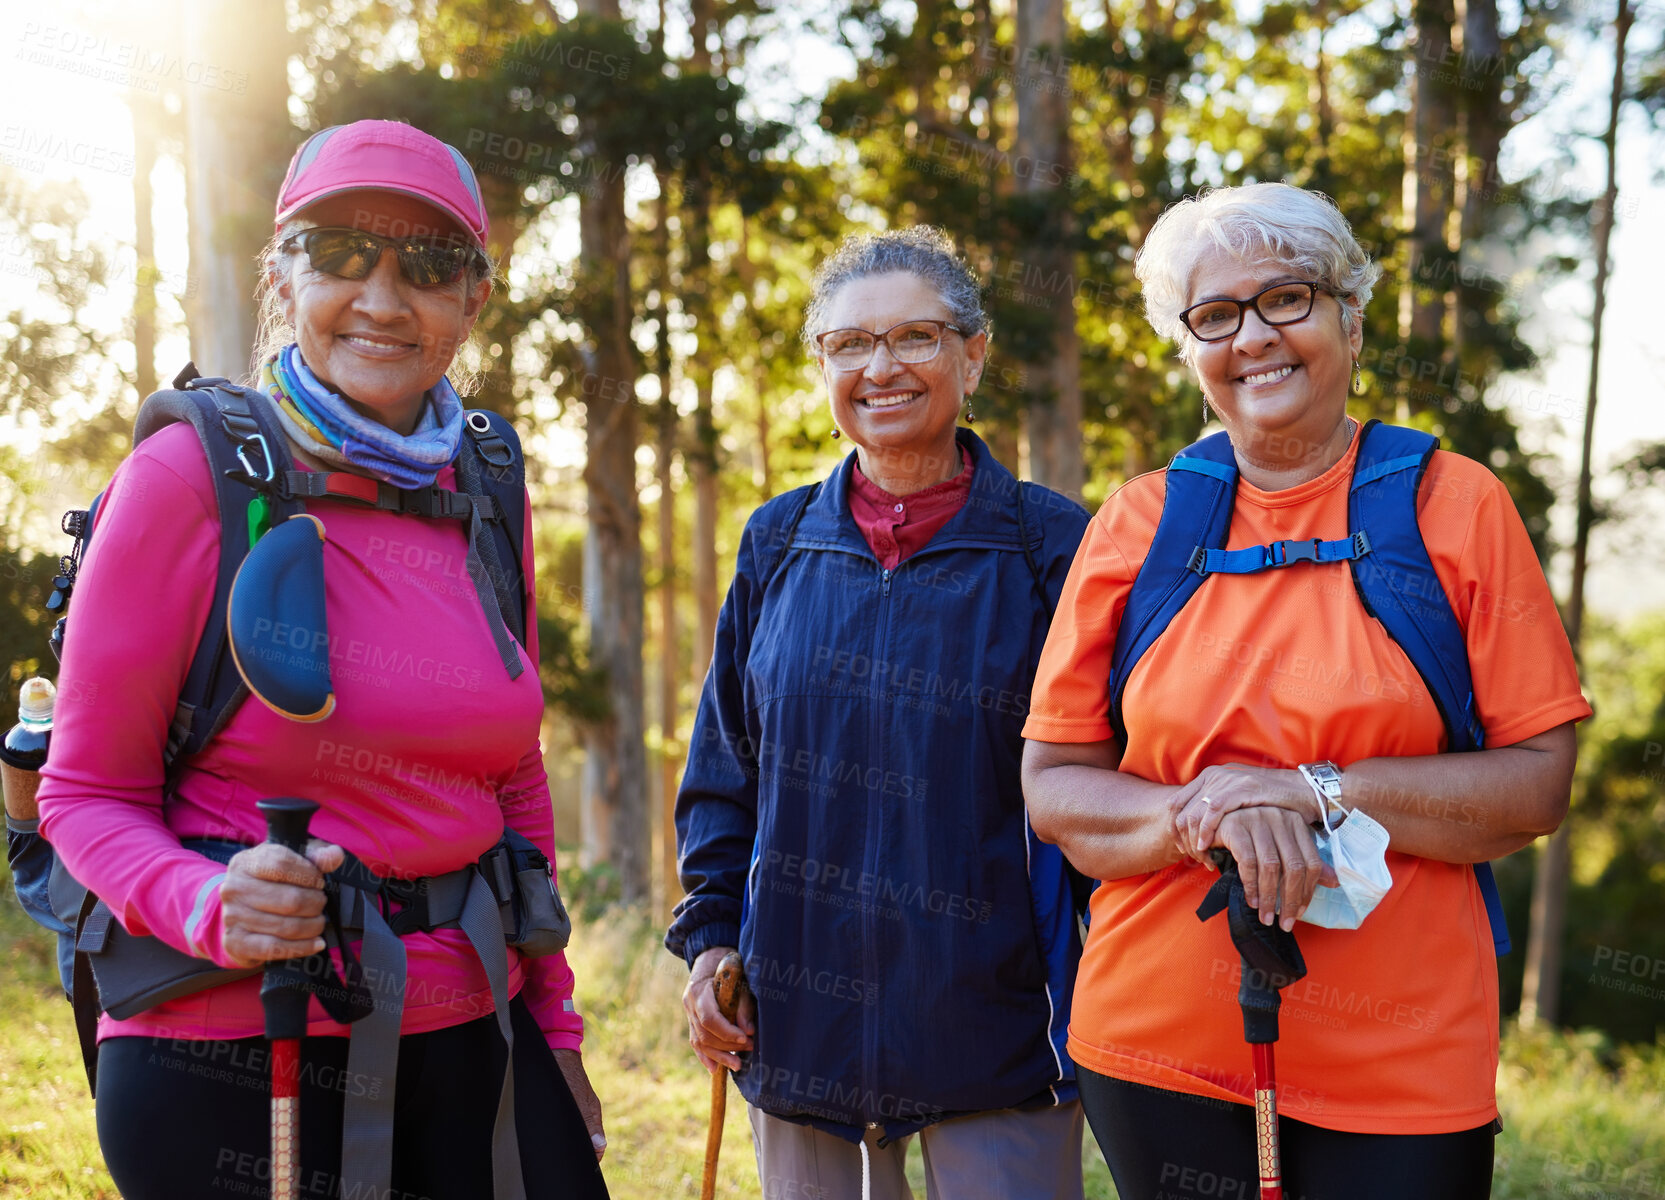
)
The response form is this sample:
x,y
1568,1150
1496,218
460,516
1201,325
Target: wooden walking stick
x,y
729,983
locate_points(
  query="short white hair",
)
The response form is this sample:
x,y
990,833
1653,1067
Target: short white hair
x,y
1258,222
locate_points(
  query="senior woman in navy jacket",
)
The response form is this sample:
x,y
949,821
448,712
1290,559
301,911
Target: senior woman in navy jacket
x,y
851,816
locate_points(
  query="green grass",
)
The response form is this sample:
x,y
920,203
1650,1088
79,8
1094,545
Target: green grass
x,y
1583,1119
48,1145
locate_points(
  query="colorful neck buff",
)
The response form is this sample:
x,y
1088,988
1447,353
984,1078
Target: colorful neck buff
x,y
327,427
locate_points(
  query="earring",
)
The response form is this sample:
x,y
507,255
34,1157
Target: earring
x,y
1205,410
836,432
970,417
1358,379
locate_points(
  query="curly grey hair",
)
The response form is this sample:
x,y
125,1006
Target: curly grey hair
x,y
1254,223
920,250
272,331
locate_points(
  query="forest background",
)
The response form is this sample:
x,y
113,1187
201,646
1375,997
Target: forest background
x,y
662,177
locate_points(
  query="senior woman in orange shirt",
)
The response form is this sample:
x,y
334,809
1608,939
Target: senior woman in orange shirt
x,y
1273,698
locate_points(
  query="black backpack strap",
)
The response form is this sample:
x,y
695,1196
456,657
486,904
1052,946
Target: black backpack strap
x,y
433,501
1031,543
1081,886
771,553
245,448
490,464
83,998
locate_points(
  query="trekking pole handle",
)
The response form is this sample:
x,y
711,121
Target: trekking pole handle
x,y
283,996
287,820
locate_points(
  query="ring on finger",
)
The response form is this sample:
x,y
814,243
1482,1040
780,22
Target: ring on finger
x,y
1208,802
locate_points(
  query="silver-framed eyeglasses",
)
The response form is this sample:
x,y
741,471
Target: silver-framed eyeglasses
x,y
1281,304
908,342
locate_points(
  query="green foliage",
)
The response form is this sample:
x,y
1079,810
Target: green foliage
x,y
1614,974
48,1140
1165,101
51,355
1581,1117
25,580
569,683
48,351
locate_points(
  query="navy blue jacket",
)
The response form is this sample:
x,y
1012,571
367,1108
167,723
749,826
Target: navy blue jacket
x,y
851,815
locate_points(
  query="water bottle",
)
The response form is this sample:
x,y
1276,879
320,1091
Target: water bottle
x,y
24,750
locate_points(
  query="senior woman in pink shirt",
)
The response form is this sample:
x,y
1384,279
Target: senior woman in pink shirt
x,y
431,749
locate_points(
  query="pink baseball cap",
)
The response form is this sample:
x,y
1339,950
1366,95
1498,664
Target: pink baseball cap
x,y
386,156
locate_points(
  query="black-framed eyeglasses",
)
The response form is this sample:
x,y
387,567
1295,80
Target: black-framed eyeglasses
x,y
908,342
1280,304
353,253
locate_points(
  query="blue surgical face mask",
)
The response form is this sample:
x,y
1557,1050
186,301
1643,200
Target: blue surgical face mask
x,y
1357,849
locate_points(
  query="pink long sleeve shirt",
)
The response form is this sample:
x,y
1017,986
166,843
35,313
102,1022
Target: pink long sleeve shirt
x,y
430,750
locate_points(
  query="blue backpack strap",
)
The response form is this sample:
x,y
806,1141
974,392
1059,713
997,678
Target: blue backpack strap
x,y
1201,488
1396,580
1398,585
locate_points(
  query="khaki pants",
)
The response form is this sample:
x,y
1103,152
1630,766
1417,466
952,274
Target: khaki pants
x,y
1005,1155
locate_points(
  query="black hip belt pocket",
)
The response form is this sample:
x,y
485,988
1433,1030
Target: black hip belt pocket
x,y
133,973
535,921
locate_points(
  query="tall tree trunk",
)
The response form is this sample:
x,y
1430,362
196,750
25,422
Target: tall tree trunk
x,y
1541,991
701,457
670,673
1042,159
617,766
237,146
1318,93
1003,437
146,112
1427,183
746,268
1483,121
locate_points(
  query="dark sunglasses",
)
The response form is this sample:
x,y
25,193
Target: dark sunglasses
x,y
353,254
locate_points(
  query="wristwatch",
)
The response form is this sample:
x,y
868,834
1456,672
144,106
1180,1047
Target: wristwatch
x,y
1325,780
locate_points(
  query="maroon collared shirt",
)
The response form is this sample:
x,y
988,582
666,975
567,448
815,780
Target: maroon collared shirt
x,y
897,527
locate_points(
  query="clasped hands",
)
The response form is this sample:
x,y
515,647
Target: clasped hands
x,y
1262,816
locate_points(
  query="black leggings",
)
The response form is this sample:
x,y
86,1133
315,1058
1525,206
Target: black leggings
x,y
1165,1145
186,1120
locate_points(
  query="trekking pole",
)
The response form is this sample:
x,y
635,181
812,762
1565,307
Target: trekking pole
x,y
1268,1154
285,1006
1271,961
729,983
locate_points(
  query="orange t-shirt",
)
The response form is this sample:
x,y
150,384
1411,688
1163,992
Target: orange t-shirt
x,y
1394,1029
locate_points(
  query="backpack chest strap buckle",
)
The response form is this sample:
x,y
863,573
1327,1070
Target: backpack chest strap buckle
x,y
1252,559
